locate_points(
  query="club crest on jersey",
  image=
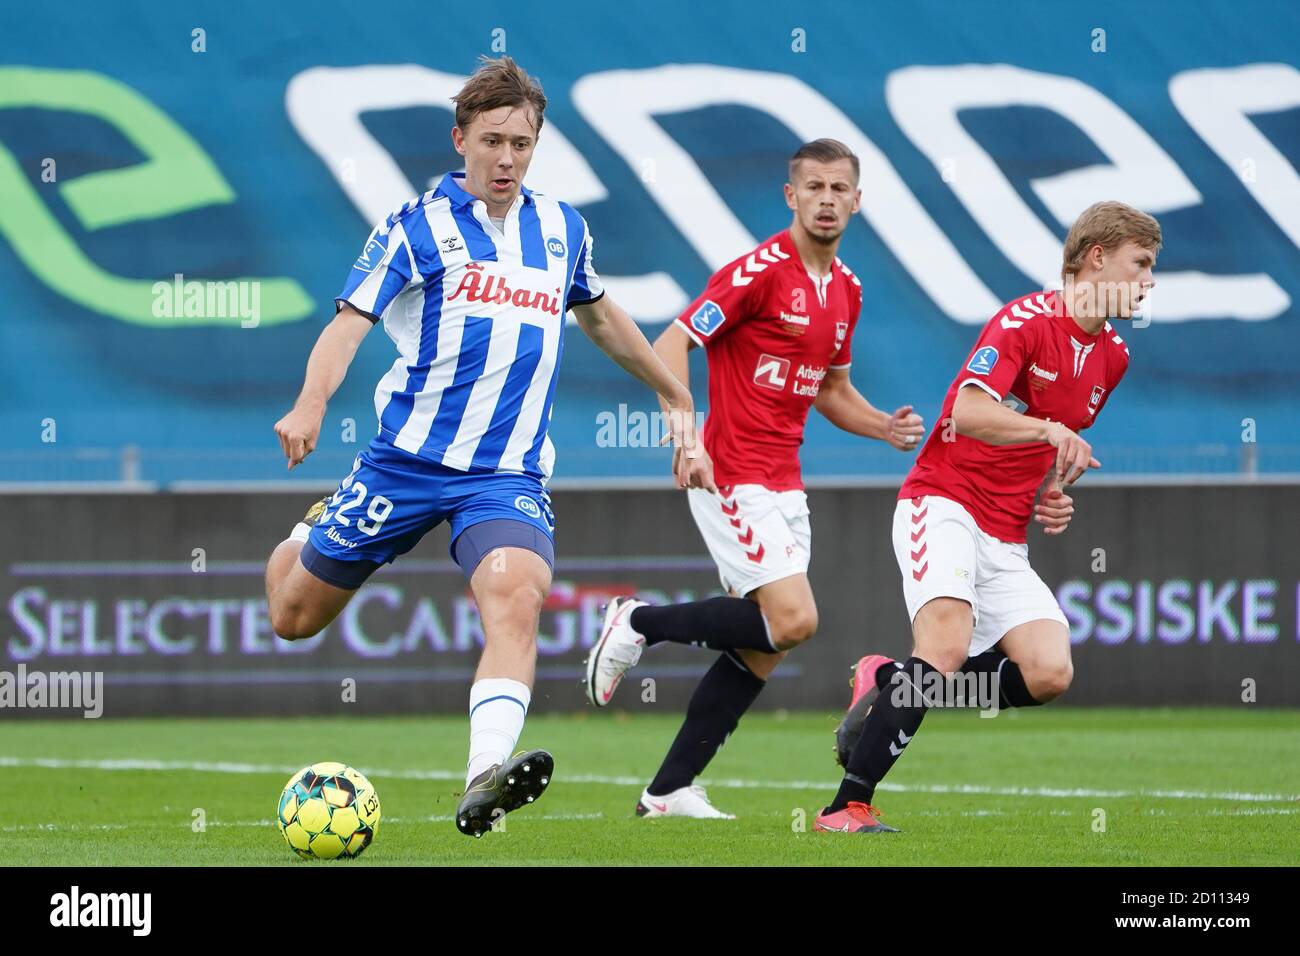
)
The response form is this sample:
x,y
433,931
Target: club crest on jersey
x,y
771,372
841,330
371,256
528,506
707,318
982,362
1094,402
555,246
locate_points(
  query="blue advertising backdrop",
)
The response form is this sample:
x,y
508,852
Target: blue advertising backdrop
x,y
143,147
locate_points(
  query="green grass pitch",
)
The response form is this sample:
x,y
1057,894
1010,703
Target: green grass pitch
x,y
1177,787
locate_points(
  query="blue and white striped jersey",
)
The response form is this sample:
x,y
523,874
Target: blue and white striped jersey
x,y
477,314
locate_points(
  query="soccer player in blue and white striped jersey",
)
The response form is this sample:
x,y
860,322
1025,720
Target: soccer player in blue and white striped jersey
x,y
472,281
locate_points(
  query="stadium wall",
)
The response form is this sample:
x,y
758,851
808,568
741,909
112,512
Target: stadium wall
x,y
1176,596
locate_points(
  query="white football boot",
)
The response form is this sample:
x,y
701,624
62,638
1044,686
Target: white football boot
x,y
617,651
689,801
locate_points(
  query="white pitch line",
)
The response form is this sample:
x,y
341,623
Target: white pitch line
x,y
443,818
962,789
446,818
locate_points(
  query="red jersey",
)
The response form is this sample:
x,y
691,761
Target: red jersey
x,y
770,332
1034,358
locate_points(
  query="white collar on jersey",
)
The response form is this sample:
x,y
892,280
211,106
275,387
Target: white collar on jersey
x,y
820,284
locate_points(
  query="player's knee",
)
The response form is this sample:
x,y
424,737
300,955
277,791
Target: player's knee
x,y
527,600
1048,682
290,623
947,659
792,626
947,615
944,654
517,609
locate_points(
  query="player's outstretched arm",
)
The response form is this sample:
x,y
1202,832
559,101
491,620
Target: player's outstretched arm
x,y
328,363
977,414
614,332
847,408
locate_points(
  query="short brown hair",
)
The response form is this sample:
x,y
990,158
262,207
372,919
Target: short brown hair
x,y
1109,225
825,151
496,83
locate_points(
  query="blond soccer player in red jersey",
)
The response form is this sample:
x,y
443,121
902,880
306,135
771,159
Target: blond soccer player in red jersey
x,y
1043,369
777,328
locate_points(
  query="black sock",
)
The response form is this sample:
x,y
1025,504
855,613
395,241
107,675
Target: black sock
x,y
885,673
729,623
720,700
887,730
1012,691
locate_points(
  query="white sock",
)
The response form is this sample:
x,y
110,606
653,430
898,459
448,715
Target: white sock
x,y
300,532
497,707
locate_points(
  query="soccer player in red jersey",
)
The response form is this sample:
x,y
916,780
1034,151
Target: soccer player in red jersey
x,y
776,325
1041,372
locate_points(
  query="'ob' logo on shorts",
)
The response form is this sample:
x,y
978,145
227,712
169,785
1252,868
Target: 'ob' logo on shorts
x,y
528,506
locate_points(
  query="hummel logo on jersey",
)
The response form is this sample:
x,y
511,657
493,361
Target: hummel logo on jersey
x,y
1041,378
451,244
982,362
794,324
707,318
771,372
756,262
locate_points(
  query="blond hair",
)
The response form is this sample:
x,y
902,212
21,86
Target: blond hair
x,y
1109,225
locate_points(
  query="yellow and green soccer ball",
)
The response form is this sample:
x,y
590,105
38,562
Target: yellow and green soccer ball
x,y
328,810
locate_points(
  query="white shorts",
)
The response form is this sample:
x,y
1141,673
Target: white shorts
x,y
755,536
943,553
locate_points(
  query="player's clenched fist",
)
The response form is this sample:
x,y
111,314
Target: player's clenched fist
x,y
905,429
1054,511
298,433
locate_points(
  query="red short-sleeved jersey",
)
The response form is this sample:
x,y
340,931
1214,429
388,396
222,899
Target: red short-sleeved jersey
x,y
770,332
1034,358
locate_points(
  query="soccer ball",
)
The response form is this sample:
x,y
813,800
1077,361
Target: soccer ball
x,y
328,810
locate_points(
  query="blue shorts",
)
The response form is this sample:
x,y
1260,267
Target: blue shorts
x,y
392,499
